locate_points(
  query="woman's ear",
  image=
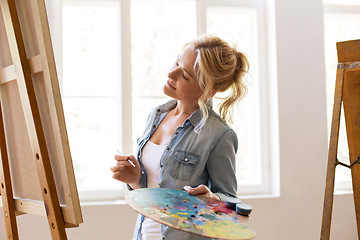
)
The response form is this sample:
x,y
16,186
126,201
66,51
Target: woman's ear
x,y
213,92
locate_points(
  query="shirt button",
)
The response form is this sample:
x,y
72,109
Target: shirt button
x,y
142,172
154,126
161,165
167,148
186,159
176,133
158,110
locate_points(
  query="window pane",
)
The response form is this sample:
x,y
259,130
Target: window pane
x,y
246,117
338,27
91,88
159,30
93,129
91,49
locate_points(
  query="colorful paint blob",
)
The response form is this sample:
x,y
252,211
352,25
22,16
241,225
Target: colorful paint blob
x,y
198,215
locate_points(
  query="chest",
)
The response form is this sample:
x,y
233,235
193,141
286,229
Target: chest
x,y
167,128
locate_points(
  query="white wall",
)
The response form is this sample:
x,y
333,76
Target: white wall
x,y
296,214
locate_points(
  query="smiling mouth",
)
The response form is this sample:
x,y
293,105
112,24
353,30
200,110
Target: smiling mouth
x,y
168,82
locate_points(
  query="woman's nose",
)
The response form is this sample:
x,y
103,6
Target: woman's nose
x,y
174,72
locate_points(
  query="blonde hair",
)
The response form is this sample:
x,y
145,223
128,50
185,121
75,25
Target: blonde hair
x,y
219,67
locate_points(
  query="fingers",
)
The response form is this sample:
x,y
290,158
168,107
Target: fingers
x,y
119,157
118,168
126,167
202,191
126,160
199,190
116,175
133,159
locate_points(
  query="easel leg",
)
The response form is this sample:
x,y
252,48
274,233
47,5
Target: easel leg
x,y
33,120
332,156
6,187
351,101
356,185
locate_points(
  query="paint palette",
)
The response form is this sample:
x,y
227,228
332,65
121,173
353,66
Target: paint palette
x,y
199,215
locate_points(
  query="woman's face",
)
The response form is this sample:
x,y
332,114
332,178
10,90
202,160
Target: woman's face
x,y
182,83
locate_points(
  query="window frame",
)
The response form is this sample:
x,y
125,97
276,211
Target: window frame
x,y
267,83
267,157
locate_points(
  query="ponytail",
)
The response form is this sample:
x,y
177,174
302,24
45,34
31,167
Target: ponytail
x,y
238,87
220,68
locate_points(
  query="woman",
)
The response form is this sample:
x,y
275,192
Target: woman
x,y
185,143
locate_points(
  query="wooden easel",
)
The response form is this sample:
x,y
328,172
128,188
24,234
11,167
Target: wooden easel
x,y
46,145
347,91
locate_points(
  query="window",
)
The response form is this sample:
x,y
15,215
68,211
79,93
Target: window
x,y
166,29
91,90
252,164
342,23
116,55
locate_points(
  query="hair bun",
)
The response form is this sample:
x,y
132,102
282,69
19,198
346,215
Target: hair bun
x,y
242,64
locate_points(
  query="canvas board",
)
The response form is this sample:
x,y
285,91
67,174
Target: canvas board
x,y
17,121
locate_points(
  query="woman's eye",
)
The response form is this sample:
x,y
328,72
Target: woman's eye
x,y
183,74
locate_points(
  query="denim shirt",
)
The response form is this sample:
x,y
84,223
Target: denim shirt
x,y
191,159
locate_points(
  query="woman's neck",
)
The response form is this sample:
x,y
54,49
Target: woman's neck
x,y
184,108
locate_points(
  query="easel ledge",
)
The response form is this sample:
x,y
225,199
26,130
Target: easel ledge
x,y
33,207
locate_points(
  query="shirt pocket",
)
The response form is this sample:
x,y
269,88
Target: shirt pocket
x,y
184,165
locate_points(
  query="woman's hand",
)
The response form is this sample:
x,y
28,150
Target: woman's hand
x,y
125,172
202,191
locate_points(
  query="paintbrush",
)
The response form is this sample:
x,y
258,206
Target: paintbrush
x,y
127,159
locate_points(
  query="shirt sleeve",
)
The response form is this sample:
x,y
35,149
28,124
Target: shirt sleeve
x,y
221,166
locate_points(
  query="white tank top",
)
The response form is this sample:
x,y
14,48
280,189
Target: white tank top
x,y
151,154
